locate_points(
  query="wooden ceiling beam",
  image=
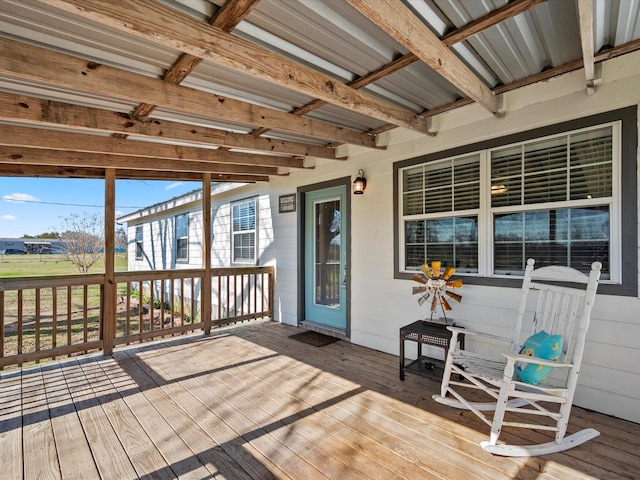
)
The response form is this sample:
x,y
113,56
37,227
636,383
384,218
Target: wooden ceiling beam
x,y
150,19
46,66
227,18
40,156
400,23
585,16
54,171
491,19
19,136
31,110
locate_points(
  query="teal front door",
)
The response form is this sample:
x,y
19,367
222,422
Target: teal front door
x,y
326,247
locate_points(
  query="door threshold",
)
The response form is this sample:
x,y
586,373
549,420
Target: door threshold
x,y
317,327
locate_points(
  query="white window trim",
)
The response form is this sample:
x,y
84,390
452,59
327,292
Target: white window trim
x,y
141,242
485,213
175,231
253,261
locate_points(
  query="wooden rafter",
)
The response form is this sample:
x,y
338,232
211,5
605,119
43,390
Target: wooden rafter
x,y
585,15
18,136
509,10
56,171
399,22
37,111
149,20
49,67
40,156
227,18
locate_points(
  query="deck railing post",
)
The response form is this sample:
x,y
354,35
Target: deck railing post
x,y
110,287
205,291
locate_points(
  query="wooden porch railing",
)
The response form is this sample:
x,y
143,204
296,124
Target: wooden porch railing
x,y
56,316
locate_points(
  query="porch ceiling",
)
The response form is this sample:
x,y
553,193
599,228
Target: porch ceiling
x,y
247,89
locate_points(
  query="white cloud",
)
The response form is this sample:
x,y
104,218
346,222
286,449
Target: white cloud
x,y
8,217
20,197
173,185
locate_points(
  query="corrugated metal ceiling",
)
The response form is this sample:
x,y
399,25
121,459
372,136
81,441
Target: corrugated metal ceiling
x,y
332,37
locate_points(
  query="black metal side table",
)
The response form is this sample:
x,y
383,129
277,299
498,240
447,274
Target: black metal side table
x,y
427,333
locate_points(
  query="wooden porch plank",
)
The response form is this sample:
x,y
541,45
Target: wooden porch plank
x,y
175,451
39,449
197,403
263,406
11,458
347,365
166,398
109,454
309,420
74,454
281,419
104,375
279,453
355,412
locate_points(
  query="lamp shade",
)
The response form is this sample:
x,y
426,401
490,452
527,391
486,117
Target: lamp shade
x,y
360,183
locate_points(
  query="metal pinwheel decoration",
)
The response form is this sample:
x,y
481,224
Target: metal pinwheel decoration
x,y
435,285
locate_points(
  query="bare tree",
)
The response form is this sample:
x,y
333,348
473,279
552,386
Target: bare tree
x,y
83,239
121,239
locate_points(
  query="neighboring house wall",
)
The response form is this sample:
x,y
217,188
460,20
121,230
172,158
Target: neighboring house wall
x,y
380,303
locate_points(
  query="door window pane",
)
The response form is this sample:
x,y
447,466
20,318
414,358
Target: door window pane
x,y
327,251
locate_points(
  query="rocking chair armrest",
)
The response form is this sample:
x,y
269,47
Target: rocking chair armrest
x,y
514,357
479,334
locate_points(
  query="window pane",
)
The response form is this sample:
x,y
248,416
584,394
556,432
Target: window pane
x,y
591,164
182,226
446,186
244,248
453,241
244,216
438,200
545,187
506,191
506,177
413,203
182,249
243,225
545,155
573,237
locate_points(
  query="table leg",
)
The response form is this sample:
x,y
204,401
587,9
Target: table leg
x,y
402,359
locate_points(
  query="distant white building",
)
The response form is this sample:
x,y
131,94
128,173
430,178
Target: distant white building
x,y
32,245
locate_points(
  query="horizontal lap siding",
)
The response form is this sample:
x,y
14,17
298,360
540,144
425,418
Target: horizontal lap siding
x,y
380,304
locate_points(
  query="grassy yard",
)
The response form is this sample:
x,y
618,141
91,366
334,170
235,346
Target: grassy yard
x,y
36,319
36,264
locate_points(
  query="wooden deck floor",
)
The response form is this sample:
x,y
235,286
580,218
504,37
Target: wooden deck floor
x,y
250,403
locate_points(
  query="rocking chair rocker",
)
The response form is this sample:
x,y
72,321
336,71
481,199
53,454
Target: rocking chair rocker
x,y
515,383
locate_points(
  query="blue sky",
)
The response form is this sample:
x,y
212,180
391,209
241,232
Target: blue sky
x,y
31,206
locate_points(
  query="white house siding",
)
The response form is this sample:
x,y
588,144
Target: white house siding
x,y
380,304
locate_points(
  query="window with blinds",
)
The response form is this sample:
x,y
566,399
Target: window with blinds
x,y
574,169
182,237
549,198
243,232
440,201
139,238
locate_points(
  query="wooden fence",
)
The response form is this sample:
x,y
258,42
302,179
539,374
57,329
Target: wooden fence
x,y
57,316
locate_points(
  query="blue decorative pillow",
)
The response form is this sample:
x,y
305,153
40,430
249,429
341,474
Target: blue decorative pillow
x,y
541,345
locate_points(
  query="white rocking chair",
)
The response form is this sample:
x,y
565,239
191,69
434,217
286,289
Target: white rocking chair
x,y
558,309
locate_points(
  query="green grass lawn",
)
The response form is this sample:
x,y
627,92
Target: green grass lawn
x,y
27,265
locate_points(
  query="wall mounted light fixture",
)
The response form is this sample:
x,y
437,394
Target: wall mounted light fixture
x,y
360,183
